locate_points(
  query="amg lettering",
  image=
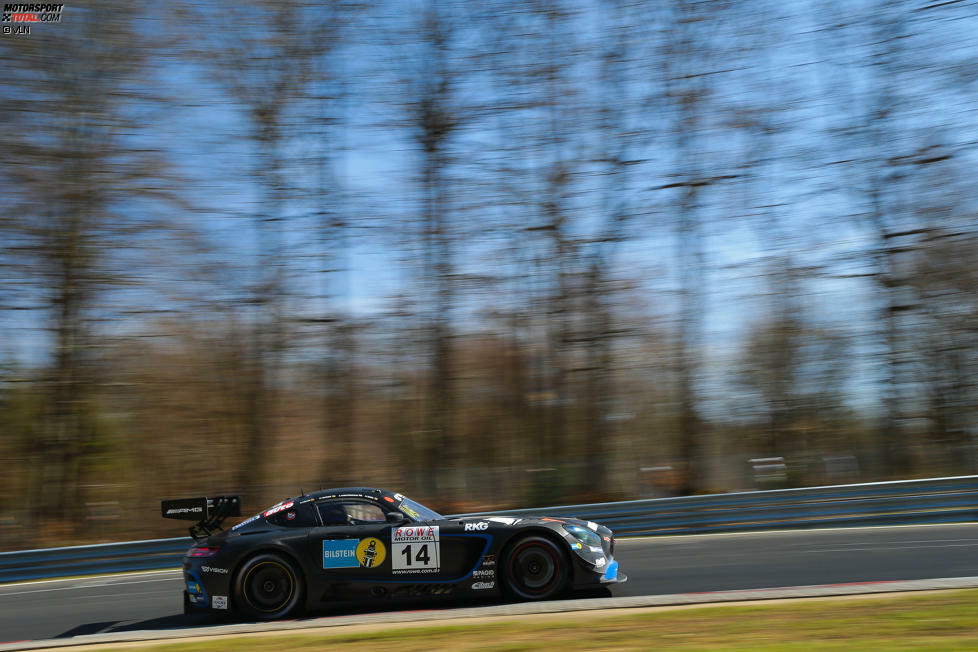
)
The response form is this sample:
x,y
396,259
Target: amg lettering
x,y
184,510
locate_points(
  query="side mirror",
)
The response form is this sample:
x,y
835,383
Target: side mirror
x,y
396,518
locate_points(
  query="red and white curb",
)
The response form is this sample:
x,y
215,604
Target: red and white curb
x,y
519,609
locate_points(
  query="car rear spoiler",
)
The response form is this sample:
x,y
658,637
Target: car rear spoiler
x,y
208,512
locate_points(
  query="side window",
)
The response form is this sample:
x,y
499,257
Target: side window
x,y
366,513
298,516
350,513
333,514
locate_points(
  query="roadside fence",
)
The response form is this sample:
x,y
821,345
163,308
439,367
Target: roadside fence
x,y
934,500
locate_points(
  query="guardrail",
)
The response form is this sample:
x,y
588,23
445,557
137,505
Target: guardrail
x,y
936,500
154,554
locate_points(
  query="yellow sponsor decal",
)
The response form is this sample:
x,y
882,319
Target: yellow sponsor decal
x,y
410,512
371,552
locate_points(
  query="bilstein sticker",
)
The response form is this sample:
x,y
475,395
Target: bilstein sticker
x,y
340,553
371,552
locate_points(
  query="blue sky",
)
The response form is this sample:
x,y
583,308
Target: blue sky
x,y
794,64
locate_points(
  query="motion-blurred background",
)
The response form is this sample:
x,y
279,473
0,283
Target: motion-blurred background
x,y
487,253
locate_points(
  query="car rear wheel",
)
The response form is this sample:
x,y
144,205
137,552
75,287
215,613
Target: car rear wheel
x,y
267,587
535,569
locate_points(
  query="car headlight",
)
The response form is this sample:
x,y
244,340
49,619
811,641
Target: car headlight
x,y
584,535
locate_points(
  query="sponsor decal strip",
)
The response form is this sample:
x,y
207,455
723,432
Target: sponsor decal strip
x,y
354,553
278,508
340,553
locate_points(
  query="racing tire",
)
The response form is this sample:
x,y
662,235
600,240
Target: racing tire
x,y
267,587
535,568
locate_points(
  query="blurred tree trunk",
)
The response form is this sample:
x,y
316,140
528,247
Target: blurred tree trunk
x,y
68,171
333,95
615,155
885,217
249,63
686,88
433,119
779,367
563,253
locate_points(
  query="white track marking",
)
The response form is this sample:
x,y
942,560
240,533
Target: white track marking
x,y
622,539
91,577
84,585
884,547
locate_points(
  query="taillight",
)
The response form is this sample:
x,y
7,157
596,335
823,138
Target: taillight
x,y
203,551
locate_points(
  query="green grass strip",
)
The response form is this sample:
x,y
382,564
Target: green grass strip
x,y
945,621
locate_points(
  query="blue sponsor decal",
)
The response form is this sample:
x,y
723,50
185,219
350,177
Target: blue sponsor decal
x,y
611,573
340,553
195,589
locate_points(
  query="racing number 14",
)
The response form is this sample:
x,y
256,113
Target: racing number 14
x,y
421,556
414,549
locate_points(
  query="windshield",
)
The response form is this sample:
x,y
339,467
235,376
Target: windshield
x,y
419,512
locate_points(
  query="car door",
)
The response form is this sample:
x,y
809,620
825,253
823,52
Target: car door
x,y
353,542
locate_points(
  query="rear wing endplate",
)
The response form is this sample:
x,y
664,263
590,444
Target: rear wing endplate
x,y
208,512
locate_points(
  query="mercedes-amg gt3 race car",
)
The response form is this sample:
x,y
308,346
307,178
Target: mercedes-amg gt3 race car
x,y
339,545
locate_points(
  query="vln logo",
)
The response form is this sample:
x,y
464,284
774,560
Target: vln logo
x,y
476,527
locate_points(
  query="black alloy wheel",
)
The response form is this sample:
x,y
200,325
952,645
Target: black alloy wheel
x,y
536,569
267,587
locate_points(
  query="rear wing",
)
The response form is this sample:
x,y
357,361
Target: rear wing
x,y
208,512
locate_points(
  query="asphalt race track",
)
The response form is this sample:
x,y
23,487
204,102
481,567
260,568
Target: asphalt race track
x,y
664,565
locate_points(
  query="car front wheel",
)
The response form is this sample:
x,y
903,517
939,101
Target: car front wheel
x,y
535,569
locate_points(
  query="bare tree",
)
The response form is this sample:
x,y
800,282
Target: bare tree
x,y
433,118
80,194
685,62
248,62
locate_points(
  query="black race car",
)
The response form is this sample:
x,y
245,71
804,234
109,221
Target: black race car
x,y
339,545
